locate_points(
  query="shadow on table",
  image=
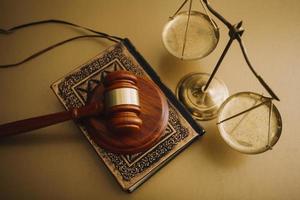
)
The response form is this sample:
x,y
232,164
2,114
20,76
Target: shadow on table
x,y
214,148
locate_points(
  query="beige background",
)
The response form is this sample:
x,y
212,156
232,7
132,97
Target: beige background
x,y
58,163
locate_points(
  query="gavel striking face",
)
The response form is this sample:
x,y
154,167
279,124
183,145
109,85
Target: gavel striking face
x,y
121,100
121,107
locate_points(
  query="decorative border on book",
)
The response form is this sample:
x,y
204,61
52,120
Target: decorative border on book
x,y
153,155
75,88
65,87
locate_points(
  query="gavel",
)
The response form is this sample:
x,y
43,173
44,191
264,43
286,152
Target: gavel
x,y
121,108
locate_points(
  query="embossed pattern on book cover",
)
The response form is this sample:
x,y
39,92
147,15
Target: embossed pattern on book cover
x,y
129,170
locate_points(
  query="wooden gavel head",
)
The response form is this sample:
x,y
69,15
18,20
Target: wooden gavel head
x,y
135,113
121,102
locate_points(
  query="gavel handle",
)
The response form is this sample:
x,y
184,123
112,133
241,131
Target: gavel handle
x,y
30,124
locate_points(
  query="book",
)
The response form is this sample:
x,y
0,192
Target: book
x,y
129,170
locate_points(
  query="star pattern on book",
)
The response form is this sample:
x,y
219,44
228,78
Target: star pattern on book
x,y
86,87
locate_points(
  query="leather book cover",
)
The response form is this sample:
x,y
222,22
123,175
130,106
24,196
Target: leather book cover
x,y
129,170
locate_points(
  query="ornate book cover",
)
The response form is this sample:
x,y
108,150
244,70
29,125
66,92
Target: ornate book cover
x,y
129,170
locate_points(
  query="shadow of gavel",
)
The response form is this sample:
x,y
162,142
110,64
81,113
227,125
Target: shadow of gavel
x,y
121,108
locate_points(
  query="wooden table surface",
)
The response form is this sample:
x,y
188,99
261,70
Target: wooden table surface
x,y
58,162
